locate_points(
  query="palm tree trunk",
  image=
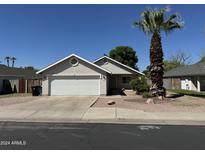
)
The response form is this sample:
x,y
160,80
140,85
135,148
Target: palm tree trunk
x,y
12,63
8,62
156,66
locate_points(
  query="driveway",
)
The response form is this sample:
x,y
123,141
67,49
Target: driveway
x,y
45,107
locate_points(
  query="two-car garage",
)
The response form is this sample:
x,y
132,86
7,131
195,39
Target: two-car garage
x,y
74,76
74,85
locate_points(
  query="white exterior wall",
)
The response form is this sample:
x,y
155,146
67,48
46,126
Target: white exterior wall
x,y
198,84
16,82
186,83
66,69
189,83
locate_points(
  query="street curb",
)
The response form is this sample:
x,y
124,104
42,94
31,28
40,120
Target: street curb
x,y
105,121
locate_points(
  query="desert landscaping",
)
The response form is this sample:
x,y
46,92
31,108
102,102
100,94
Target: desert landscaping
x,y
137,102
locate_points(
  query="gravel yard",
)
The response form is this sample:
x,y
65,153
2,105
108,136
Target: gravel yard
x,y
180,104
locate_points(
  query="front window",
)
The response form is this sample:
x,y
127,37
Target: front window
x,y
126,79
105,61
74,62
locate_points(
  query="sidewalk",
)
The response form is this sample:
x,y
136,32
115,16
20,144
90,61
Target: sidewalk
x,y
123,115
117,115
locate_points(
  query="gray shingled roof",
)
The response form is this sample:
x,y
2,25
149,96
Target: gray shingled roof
x,y
9,72
190,70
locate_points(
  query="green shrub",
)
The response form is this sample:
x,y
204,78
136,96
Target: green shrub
x,y
133,84
146,95
139,85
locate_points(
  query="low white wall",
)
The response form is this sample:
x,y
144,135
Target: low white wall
x,y
189,83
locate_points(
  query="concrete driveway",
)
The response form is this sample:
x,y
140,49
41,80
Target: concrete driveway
x,y
46,107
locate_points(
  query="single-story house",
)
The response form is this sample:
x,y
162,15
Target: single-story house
x,y
18,80
190,77
73,75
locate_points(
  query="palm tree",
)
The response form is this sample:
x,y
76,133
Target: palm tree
x,y
13,60
154,22
7,59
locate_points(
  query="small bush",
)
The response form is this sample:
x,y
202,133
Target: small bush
x,y
139,85
146,95
133,84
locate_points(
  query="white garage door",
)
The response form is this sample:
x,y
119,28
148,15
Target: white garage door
x,y
75,86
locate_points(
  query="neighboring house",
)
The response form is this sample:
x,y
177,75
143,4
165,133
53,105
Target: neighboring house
x,y
74,75
17,79
191,77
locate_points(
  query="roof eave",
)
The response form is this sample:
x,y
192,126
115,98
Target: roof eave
x,y
59,61
119,64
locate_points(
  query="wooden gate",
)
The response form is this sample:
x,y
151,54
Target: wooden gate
x,y
21,86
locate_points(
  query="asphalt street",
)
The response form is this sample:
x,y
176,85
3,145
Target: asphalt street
x,y
99,136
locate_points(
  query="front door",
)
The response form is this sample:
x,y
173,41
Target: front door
x,y
113,81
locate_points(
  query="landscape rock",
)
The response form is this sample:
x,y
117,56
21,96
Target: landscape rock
x,y
172,99
150,101
160,98
111,102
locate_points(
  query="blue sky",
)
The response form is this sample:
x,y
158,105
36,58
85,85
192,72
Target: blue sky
x,y
38,35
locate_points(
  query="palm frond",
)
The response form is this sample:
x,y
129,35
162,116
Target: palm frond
x,y
172,23
155,21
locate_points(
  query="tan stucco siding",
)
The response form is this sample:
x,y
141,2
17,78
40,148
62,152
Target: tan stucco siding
x,y
113,67
172,83
103,85
66,69
45,87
